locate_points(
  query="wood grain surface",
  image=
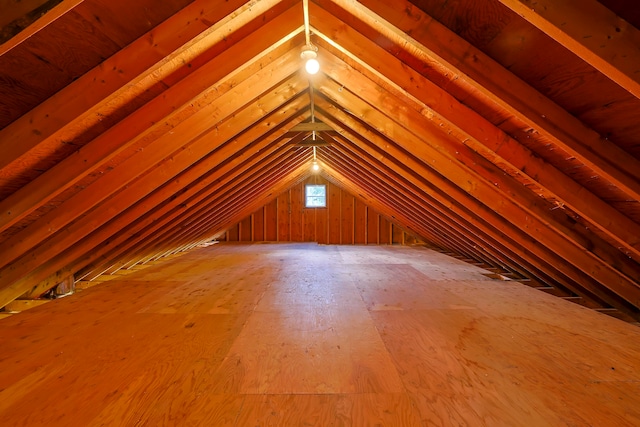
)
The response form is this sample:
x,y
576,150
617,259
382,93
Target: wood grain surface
x,y
313,335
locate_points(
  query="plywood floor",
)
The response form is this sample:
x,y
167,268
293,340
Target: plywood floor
x,y
307,335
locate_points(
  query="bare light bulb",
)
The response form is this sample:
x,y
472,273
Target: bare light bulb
x,y
312,66
315,166
309,54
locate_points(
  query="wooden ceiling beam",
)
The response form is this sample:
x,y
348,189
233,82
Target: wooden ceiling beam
x,y
508,244
388,200
387,169
440,234
441,204
16,10
449,149
241,191
206,216
475,175
590,30
238,193
187,192
193,221
387,157
158,116
476,132
186,202
474,244
166,147
47,271
122,81
229,204
382,184
291,179
193,186
309,127
466,67
391,197
479,177
516,251
139,67
610,256
82,227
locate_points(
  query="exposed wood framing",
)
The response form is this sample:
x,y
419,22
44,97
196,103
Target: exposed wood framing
x,y
169,131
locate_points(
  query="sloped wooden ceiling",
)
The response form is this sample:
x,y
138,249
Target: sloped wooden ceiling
x,y
505,131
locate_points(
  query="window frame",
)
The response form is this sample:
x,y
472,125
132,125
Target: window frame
x,y
307,196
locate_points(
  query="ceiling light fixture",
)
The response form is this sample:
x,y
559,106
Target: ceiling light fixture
x,y
309,52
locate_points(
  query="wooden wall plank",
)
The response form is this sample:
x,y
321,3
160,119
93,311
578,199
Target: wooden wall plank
x,y
233,233
360,223
283,217
385,231
346,220
322,225
258,225
296,219
397,235
334,212
271,221
245,229
373,227
309,225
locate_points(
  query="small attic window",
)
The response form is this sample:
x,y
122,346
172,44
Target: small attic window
x,y
315,196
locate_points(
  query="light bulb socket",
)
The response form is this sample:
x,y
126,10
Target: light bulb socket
x,y
309,51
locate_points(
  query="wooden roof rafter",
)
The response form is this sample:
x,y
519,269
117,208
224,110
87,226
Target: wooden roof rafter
x,y
125,134
432,125
594,33
471,70
440,192
479,134
583,237
207,176
513,248
534,224
419,192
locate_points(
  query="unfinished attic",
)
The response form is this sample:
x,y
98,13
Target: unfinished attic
x,y
440,225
